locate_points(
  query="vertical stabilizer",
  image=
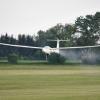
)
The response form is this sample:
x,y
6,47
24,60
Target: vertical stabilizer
x,y
58,43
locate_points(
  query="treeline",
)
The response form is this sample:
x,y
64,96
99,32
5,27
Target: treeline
x,y
22,40
85,31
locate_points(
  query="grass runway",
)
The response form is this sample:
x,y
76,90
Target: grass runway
x,y
49,82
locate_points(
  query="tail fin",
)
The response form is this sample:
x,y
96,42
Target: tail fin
x,y
58,42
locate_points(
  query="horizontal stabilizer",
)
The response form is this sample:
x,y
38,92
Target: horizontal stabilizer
x,y
57,40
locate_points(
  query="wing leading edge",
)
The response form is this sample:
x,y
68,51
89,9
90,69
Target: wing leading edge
x,y
79,47
20,46
61,48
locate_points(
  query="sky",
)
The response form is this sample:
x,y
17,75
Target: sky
x,y
30,16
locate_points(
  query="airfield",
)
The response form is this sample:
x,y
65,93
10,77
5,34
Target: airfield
x,y
40,81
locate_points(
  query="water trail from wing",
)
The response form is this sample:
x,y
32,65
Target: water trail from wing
x,y
88,55
71,55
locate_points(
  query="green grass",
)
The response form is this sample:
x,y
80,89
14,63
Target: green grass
x,y
49,82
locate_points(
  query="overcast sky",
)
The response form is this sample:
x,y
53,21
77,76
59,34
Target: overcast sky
x,y
30,16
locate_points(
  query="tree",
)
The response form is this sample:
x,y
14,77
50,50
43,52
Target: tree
x,y
57,32
88,27
13,58
5,50
41,39
26,40
55,58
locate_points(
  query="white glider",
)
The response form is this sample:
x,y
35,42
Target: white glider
x,y
48,49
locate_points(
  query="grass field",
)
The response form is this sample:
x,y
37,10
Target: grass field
x,y
49,82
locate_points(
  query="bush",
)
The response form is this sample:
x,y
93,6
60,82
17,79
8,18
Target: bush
x,y
13,58
55,58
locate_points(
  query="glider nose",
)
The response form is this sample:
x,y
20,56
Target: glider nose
x,y
46,50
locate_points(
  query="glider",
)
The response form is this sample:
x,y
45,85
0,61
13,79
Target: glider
x,y
48,49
